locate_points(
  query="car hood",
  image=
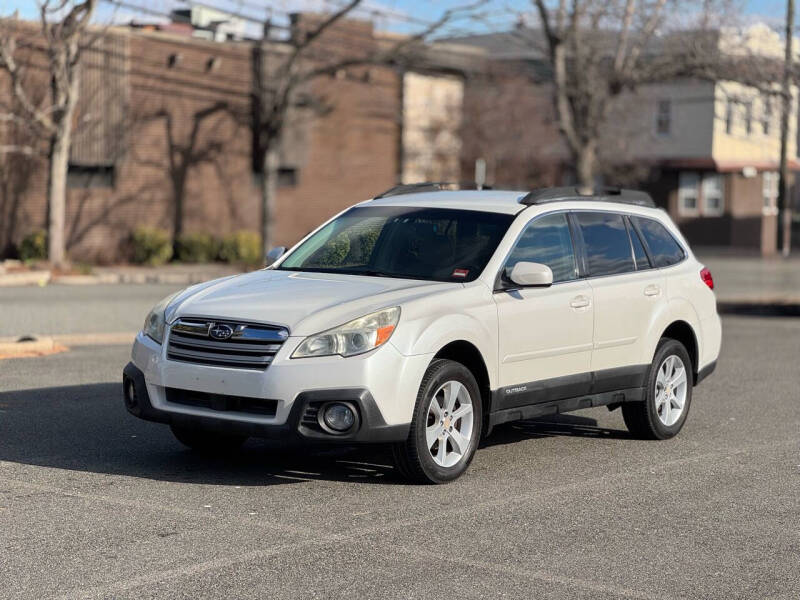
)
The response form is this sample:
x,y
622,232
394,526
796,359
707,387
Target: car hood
x,y
306,303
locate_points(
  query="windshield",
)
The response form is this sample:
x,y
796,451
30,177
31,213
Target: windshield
x,y
391,241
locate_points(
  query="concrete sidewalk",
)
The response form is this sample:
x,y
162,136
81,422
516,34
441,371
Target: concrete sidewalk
x,y
171,274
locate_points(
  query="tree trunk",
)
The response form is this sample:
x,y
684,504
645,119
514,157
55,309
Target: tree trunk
x,y
65,96
57,193
178,192
586,166
269,187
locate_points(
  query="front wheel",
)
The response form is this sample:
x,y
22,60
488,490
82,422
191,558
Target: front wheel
x,y
207,442
446,425
668,394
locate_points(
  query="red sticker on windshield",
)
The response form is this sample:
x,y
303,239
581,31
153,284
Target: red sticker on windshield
x,y
460,273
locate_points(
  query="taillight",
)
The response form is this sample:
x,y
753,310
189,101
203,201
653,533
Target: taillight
x,y
705,275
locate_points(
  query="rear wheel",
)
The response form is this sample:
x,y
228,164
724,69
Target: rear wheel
x,y
207,442
446,425
668,394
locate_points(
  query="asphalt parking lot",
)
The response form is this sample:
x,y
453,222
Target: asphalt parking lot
x,y
96,504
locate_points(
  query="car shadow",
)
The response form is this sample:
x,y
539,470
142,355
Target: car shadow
x,y
552,425
86,428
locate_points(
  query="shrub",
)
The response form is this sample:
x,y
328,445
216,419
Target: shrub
x,y
333,253
196,248
367,242
151,246
34,246
242,247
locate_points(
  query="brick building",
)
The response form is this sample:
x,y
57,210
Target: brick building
x,y
163,138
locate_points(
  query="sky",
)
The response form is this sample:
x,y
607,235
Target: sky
x,y
770,11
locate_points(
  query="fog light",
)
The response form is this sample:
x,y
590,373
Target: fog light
x,y
339,417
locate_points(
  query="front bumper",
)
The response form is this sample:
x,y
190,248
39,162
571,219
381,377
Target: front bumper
x,y
382,385
372,428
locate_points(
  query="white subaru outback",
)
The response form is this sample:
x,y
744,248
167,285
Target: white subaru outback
x,y
424,318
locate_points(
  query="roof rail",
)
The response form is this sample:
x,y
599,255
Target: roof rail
x,y
426,186
600,194
412,188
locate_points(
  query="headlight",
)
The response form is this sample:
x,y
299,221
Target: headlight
x,y
356,337
156,321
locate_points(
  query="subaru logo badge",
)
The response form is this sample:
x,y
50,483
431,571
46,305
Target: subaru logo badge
x,y
220,331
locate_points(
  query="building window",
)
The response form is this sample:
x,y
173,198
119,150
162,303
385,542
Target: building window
x,y
90,176
700,195
748,117
713,192
664,117
287,177
766,114
729,117
770,192
687,194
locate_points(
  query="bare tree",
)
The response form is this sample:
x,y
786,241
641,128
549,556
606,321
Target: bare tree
x,y
497,101
285,72
63,26
599,49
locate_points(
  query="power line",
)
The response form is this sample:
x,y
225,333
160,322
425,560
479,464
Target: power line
x,y
345,40
352,36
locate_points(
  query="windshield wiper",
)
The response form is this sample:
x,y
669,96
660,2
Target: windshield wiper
x,y
372,273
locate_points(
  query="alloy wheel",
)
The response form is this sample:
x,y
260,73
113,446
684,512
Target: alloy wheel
x,y
671,388
449,425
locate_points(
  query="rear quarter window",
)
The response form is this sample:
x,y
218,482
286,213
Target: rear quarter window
x,y
664,249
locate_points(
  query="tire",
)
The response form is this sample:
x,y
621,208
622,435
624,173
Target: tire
x,y
207,442
453,387
655,418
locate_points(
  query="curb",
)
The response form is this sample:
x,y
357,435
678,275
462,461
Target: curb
x,y
181,275
25,278
141,278
32,346
775,308
21,346
74,340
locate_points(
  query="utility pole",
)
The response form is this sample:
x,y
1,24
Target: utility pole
x,y
784,199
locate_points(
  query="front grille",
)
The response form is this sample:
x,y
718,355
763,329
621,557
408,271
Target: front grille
x,y
221,402
225,343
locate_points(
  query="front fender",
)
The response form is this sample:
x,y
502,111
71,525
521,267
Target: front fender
x,y
426,330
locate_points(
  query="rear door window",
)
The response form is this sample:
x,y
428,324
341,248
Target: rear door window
x,y
664,250
605,238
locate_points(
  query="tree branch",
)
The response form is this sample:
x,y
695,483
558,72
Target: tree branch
x,y
394,54
8,47
335,16
558,59
647,32
624,34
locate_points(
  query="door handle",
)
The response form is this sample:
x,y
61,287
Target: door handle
x,y
580,302
652,290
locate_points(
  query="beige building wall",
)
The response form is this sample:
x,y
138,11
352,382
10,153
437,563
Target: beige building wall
x,y
747,126
431,140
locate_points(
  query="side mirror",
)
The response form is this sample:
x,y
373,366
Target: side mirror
x,y
275,254
529,274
